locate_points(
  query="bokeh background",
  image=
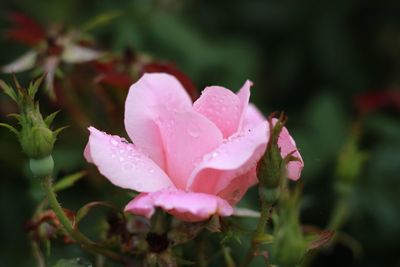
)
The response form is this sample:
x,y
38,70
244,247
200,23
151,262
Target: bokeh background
x,y
330,65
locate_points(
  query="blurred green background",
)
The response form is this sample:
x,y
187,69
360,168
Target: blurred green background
x,y
312,59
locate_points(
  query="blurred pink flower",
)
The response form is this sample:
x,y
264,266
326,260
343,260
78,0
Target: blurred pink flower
x,y
191,160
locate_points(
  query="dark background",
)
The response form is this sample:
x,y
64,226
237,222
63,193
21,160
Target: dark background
x,y
312,59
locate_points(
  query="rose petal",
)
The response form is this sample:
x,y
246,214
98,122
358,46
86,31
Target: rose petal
x,y
288,145
244,97
235,157
186,206
222,107
234,192
123,164
141,109
252,117
187,136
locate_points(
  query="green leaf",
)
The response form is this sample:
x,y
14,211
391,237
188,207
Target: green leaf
x,y
102,19
264,239
83,211
34,86
77,262
8,90
50,118
9,127
68,181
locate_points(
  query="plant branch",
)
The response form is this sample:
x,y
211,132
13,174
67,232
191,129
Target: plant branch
x,y
75,234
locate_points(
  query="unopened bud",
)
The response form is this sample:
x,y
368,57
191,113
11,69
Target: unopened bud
x,y
35,136
37,142
271,168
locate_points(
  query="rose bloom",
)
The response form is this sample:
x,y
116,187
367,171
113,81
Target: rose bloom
x,y
192,160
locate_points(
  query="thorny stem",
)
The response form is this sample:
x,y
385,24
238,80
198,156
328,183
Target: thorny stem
x,y
76,235
259,232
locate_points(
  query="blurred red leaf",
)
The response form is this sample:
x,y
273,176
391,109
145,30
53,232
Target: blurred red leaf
x,y
374,100
25,30
323,238
49,217
117,79
109,75
104,67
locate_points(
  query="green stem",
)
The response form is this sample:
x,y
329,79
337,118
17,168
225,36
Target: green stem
x,y
259,232
75,234
37,253
339,214
201,259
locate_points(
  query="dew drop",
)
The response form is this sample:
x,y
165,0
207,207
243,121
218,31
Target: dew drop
x,y
113,156
114,142
194,131
214,154
121,159
151,170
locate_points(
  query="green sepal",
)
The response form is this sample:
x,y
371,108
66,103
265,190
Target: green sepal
x,y
272,168
11,128
34,86
8,91
50,118
58,131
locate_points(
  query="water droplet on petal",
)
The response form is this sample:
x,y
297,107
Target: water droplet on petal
x,y
114,142
121,159
193,131
113,155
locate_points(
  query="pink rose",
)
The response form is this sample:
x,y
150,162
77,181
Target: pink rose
x,y
192,160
